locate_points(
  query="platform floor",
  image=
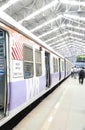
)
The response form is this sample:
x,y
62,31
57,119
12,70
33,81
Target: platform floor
x,y
64,109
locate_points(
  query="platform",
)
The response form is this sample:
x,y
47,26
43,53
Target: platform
x,y
64,109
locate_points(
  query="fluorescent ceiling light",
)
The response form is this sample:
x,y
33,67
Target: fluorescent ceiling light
x,y
40,11
8,4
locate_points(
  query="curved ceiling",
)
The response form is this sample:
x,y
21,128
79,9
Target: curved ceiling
x,y
58,23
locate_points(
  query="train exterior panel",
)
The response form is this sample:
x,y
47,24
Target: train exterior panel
x,y
28,70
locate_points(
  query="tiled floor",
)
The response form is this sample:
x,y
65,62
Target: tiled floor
x,y
64,109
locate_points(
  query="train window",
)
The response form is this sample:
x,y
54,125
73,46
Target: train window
x,y
28,62
1,34
3,71
38,63
28,54
55,64
62,65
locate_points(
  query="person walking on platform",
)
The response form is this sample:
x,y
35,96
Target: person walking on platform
x,y
81,76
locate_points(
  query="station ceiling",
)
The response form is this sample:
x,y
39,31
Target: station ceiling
x,y
58,23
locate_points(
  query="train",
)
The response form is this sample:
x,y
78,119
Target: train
x,y
28,68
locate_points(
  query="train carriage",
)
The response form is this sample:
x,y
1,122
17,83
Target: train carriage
x,y
28,68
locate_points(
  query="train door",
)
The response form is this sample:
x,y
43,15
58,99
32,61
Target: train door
x,y
59,69
3,72
47,66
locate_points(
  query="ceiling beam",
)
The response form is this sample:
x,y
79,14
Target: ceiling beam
x,y
52,4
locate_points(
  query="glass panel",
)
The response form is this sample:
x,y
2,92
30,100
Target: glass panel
x,y
38,56
28,62
57,65
38,63
38,69
28,70
2,70
28,54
